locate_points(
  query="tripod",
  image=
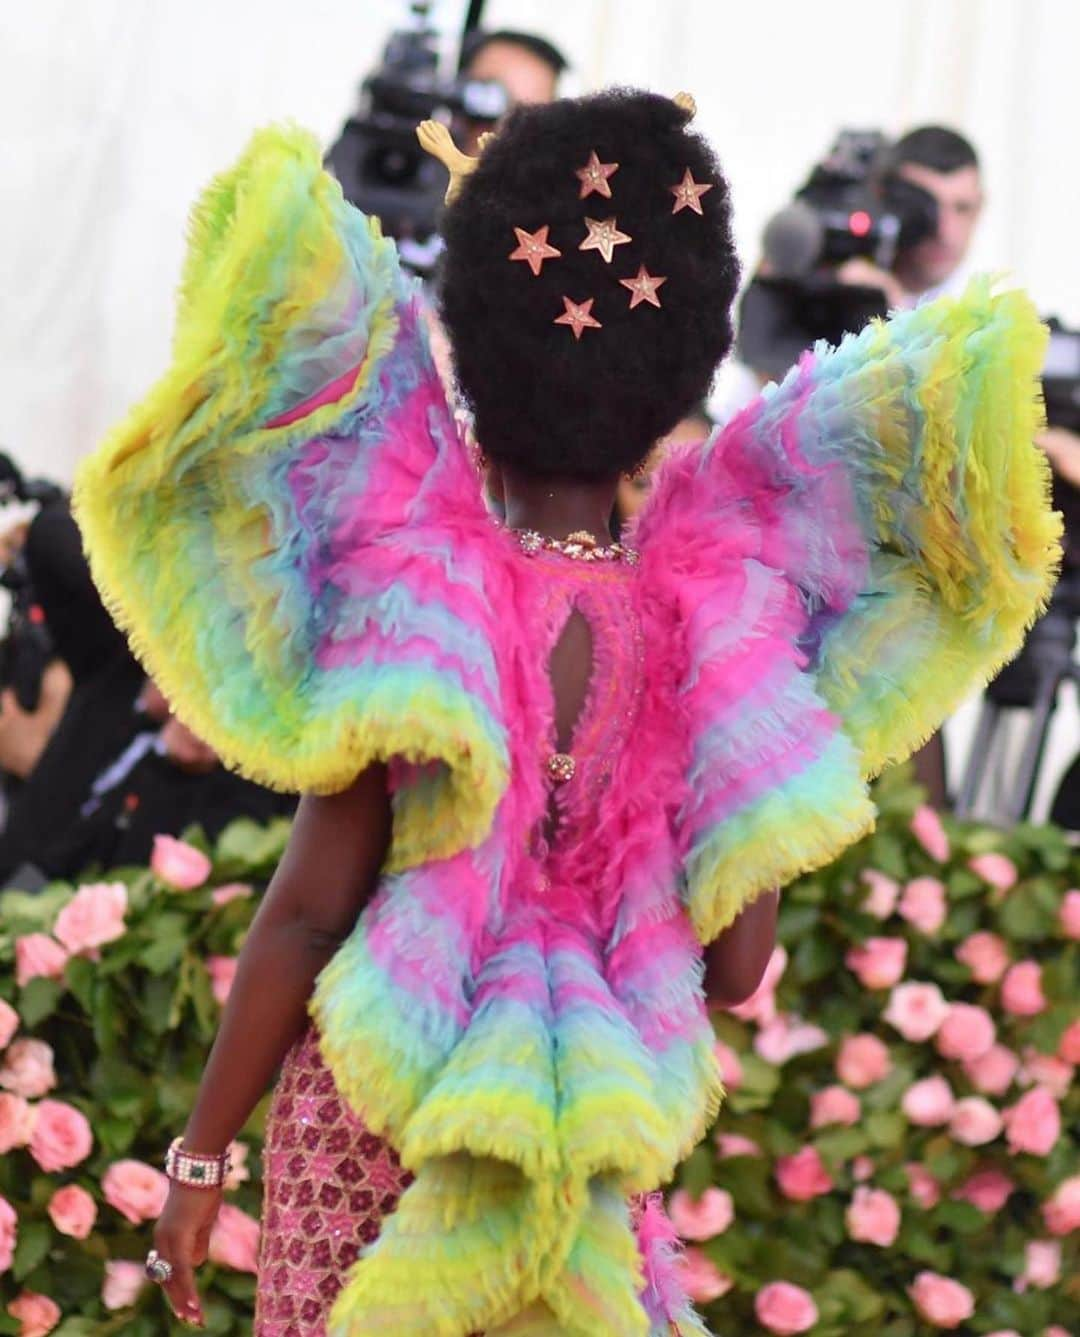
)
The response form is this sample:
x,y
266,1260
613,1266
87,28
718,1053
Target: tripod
x,y
1033,680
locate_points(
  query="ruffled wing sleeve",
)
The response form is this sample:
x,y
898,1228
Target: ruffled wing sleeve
x,y
857,551
288,527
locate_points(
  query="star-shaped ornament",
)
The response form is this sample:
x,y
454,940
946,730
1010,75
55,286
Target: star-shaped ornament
x,y
594,176
533,248
688,193
603,237
578,315
643,287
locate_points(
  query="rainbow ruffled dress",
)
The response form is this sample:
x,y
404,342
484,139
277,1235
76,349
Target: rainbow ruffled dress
x,y
293,535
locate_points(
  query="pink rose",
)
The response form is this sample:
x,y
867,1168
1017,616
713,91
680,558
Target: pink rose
x,y
923,904
873,1217
966,1033
37,1313
1056,1330
944,1303
988,1190
883,893
1003,1332
784,1308
730,1065
786,1036
916,1010
62,1138
929,1103
802,1176
922,1186
992,1073
238,1169
122,1284
28,1069
927,829
93,917
1042,1266
974,1121
835,1104
17,1120
9,1023
36,955
222,972
1046,1070
703,1218
9,1230
862,1060
997,870
986,955
1061,1211
1070,914
234,1241
1021,990
1069,1048
181,866
761,1005
878,963
700,1277
136,1190
1033,1124
862,1167
233,891
734,1144
73,1211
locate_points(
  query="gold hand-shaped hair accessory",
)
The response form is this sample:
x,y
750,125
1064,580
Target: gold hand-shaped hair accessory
x,y
435,139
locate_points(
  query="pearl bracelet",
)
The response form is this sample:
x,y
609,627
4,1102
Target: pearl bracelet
x,y
194,1169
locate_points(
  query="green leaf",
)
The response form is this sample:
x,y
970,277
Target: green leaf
x,y
962,1217
169,941
1023,918
79,976
38,1001
35,1238
886,1128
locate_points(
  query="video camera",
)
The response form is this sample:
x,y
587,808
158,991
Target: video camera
x,y
377,158
852,205
27,649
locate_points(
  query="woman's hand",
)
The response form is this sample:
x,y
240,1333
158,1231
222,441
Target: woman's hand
x,y
182,1238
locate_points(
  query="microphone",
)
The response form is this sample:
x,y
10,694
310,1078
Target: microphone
x,y
793,240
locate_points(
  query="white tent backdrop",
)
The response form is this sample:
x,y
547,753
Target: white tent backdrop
x,y
117,112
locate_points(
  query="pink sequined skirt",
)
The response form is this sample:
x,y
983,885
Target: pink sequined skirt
x,y
328,1184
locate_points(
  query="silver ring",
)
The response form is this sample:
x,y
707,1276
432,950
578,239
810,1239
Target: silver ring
x,y
157,1268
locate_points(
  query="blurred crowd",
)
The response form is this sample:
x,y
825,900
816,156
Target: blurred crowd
x,y
93,764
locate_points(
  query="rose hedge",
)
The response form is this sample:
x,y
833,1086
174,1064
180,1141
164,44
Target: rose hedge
x,y
111,998
899,1153
858,1182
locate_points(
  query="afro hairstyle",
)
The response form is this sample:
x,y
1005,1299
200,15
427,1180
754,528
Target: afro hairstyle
x,y
544,402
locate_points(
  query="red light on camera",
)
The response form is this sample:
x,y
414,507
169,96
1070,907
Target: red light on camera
x,y
860,223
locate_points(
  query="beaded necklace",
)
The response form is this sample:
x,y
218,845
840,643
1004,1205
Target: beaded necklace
x,y
580,546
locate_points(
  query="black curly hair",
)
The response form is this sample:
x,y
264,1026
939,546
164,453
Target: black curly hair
x,y
544,402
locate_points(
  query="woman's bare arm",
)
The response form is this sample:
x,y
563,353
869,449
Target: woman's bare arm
x,y
329,869
736,960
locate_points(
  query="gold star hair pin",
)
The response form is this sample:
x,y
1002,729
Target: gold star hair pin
x,y
594,176
578,315
533,248
603,237
688,193
643,288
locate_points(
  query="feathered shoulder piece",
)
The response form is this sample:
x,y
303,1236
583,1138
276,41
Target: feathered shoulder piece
x,y
288,527
857,551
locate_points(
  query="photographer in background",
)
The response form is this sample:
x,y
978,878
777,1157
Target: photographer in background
x,y
527,66
875,228
944,164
